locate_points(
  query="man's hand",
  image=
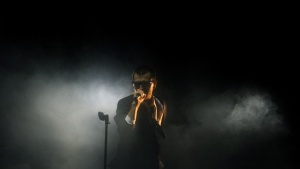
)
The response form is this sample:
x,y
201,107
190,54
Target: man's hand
x,y
139,96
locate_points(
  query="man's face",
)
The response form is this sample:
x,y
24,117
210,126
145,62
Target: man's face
x,y
144,83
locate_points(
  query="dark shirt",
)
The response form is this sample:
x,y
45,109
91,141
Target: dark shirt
x,y
138,148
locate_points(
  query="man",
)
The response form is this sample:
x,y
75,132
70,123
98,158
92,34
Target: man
x,y
139,118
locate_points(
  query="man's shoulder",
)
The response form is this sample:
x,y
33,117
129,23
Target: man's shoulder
x,y
126,99
161,102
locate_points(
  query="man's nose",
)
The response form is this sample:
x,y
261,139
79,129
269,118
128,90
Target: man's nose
x,y
140,86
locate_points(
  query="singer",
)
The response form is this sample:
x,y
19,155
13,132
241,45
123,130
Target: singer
x,y
140,118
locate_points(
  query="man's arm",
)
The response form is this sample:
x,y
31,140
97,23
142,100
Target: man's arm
x,y
132,114
121,113
126,113
161,111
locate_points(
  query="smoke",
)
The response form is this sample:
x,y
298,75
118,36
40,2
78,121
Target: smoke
x,y
246,110
254,113
235,129
56,78
51,119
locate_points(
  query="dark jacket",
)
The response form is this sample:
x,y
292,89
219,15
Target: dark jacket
x,y
138,148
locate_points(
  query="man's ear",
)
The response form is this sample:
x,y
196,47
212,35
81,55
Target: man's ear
x,y
154,84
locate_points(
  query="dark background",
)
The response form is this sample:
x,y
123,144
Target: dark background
x,y
198,60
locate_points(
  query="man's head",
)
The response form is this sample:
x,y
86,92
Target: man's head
x,y
144,78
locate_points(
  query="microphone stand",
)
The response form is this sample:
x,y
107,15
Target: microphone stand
x,y
106,119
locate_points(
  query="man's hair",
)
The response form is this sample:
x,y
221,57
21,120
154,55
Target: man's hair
x,y
143,69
